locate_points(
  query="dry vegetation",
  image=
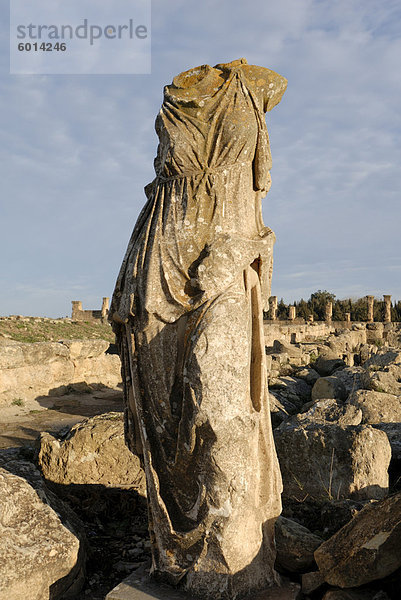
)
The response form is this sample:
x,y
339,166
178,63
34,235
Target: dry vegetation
x,y
36,329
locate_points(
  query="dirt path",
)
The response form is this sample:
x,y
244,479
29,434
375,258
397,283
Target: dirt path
x,y
21,425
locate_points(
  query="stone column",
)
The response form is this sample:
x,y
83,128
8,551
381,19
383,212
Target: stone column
x,y
329,311
76,309
105,307
370,300
273,308
348,317
291,313
387,308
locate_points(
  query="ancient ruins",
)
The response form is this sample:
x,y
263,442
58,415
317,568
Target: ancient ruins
x,y
386,317
78,314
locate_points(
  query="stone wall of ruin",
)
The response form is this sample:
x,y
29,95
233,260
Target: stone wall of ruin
x,y
289,332
30,370
78,314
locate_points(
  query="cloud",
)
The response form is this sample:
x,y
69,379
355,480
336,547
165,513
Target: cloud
x,y
75,152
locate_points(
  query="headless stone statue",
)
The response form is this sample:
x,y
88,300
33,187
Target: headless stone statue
x,y
188,314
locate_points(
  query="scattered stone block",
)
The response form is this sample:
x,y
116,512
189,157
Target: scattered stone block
x,y
138,586
41,552
93,452
329,387
295,546
327,362
330,411
311,582
377,407
337,513
323,462
336,594
366,549
308,374
383,372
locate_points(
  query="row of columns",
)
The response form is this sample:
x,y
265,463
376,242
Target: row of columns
x,y
273,306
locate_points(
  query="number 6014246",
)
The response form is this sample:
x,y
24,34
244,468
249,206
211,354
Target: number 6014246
x,y
44,46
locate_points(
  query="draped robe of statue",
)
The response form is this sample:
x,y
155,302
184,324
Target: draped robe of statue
x,y
187,311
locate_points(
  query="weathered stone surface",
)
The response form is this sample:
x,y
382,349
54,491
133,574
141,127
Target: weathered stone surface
x,y
327,362
79,349
311,582
329,411
383,411
308,374
383,372
41,556
138,586
278,411
17,354
336,594
384,381
329,387
393,432
290,389
93,452
366,549
188,313
295,546
351,377
31,370
337,513
328,461
289,349
377,407
348,340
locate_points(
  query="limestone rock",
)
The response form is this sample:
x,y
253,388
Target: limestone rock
x,y
45,368
347,340
329,387
308,374
384,381
327,362
383,411
336,594
290,349
337,513
279,365
383,372
290,389
311,582
17,354
393,432
366,549
384,358
41,555
351,377
278,411
377,407
322,461
93,452
329,411
79,349
295,546
366,351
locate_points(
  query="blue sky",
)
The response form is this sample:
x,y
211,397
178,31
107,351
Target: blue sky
x,y
76,151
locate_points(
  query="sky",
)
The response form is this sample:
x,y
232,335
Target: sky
x,y
77,150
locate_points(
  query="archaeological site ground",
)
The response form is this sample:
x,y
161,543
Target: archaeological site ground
x,y
74,517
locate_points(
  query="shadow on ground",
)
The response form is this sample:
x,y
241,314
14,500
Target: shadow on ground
x,y
61,409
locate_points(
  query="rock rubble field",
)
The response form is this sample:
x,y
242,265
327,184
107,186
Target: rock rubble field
x,y
73,518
